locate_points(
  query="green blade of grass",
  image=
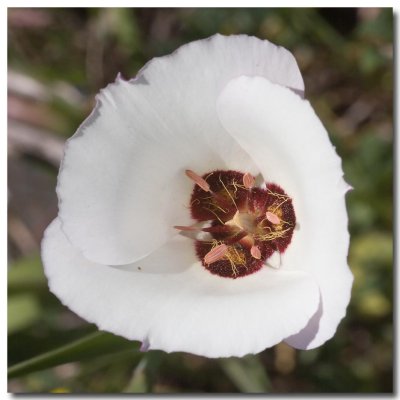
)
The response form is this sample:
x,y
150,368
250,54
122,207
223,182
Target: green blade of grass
x,y
146,373
138,382
91,346
247,374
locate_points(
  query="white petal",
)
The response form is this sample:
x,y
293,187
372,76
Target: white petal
x,y
275,261
292,149
306,336
192,311
121,185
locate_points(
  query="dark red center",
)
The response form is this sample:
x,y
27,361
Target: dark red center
x,y
245,224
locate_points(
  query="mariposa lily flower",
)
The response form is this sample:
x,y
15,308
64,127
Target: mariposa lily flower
x,y
202,207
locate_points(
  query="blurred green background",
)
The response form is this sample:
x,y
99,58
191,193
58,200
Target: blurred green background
x,y
60,58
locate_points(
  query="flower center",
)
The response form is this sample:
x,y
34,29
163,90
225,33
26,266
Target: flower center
x,y
239,225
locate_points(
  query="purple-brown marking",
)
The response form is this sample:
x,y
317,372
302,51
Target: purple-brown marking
x,y
247,224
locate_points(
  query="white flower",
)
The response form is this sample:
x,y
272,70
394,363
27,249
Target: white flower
x,y
113,255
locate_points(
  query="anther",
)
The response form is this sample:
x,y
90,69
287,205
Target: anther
x,y
198,180
273,218
248,180
211,229
255,252
185,228
216,253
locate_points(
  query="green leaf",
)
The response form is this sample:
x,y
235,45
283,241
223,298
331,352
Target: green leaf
x,y
22,311
91,346
247,374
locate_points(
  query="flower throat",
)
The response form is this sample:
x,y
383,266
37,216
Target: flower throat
x,y
241,225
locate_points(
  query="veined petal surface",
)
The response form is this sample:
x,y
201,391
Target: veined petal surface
x,y
290,146
121,186
192,310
